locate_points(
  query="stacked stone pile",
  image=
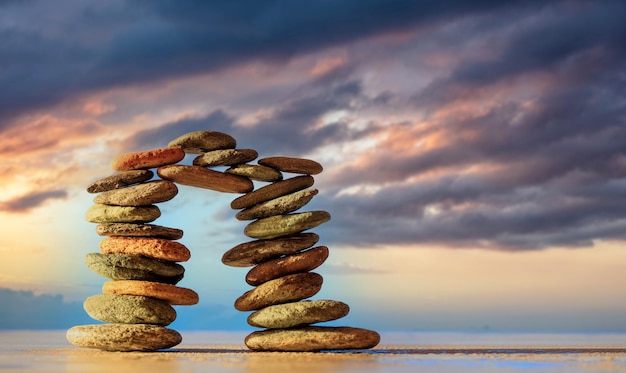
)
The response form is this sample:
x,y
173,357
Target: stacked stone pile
x,y
142,259
283,257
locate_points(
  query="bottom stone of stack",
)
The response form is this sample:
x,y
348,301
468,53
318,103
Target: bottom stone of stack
x,y
312,338
123,337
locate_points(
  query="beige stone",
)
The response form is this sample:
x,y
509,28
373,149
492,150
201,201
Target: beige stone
x,y
281,290
279,206
283,225
123,337
129,309
100,213
139,195
312,338
203,141
225,157
251,253
289,315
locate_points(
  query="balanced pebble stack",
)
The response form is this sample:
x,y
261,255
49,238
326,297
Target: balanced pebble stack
x,y
142,259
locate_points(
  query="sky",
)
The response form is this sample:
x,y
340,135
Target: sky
x,y
474,152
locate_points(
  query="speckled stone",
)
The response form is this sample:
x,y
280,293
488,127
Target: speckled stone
x,y
294,314
284,225
147,159
225,157
129,309
203,141
123,337
272,191
201,177
139,195
156,248
303,261
171,294
138,230
281,290
256,172
134,267
251,253
122,214
279,206
294,165
120,180
312,338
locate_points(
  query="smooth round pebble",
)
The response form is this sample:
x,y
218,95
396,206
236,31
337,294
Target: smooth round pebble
x,y
120,180
156,248
129,309
139,195
147,159
284,225
134,267
251,253
203,141
289,315
100,213
272,191
138,230
171,294
303,261
312,338
256,172
279,206
123,337
293,165
281,290
225,157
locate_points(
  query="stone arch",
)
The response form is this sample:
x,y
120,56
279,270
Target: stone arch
x,y
142,260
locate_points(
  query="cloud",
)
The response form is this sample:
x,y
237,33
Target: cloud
x,y
25,310
32,200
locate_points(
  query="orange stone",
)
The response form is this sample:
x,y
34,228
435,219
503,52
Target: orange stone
x,y
156,248
147,159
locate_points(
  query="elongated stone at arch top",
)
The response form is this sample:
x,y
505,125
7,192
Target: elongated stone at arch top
x,y
147,159
204,178
203,141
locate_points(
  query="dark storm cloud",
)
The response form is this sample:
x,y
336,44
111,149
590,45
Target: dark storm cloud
x,y
291,130
117,44
32,200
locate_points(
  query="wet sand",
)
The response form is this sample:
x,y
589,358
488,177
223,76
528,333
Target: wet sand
x,y
234,357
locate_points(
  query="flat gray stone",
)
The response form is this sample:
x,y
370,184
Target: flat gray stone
x,y
312,338
306,312
278,206
123,337
139,195
134,267
129,309
284,225
256,172
100,213
225,157
120,180
138,230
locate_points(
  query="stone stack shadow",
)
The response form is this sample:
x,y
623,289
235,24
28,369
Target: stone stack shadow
x,y
141,258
